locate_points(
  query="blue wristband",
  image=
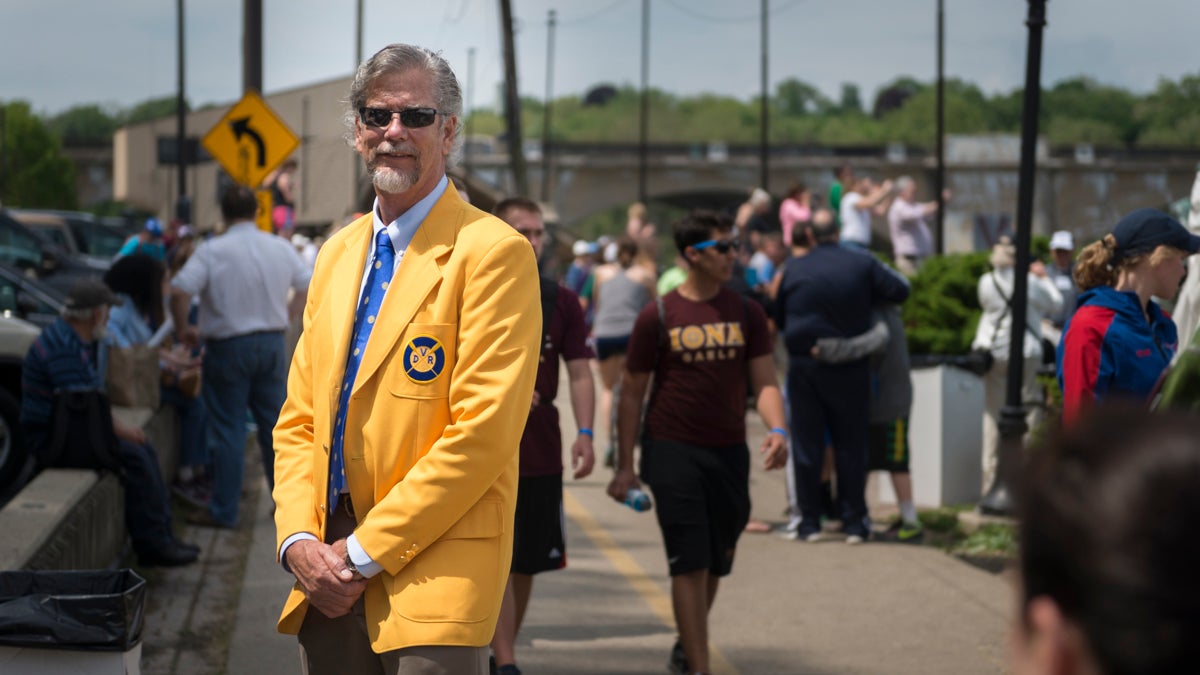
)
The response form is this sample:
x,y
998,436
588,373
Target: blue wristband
x,y
781,432
586,432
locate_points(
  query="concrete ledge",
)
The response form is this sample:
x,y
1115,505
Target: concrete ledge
x,y
75,518
64,519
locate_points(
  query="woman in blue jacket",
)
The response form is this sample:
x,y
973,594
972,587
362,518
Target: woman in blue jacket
x,y
1119,342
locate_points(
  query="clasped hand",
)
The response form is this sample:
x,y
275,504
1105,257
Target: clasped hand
x,y
321,570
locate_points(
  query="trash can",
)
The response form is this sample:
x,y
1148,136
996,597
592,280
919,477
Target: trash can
x,y
78,621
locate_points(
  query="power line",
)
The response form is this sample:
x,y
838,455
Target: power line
x,y
588,17
744,18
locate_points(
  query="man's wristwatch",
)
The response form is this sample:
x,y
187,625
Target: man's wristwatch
x,y
353,568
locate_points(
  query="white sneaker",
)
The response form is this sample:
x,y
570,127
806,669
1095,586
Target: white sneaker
x,y
854,539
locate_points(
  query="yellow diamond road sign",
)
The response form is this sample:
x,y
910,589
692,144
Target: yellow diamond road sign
x,y
250,140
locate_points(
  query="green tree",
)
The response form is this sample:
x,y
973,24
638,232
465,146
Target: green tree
x,y
152,109
1082,100
33,171
793,97
851,101
84,125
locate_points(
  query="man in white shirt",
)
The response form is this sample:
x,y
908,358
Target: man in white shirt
x,y
243,278
863,199
911,241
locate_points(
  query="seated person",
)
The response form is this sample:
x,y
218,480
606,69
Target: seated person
x,y
70,355
1107,558
140,283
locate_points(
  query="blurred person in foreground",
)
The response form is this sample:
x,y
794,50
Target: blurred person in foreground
x,y
1107,556
539,539
1119,341
707,349
397,447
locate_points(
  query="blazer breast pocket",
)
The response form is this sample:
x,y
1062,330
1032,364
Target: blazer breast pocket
x,y
423,361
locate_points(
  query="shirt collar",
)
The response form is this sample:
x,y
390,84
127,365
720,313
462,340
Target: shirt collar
x,y
402,229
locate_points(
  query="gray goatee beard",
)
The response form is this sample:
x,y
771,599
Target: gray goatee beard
x,y
391,180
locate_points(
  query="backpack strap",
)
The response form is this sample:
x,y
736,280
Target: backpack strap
x,y
549,303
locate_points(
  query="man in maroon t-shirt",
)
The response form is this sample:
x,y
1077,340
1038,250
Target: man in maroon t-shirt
x,y
700,345
539,543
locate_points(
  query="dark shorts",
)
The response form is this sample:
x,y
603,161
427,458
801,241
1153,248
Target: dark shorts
x,y
611,346
538,541
888,449
702,499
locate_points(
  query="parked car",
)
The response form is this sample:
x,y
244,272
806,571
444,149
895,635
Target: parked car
x,y
28,299
22,248
84,237
15,337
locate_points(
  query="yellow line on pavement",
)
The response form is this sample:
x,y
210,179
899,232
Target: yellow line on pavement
x,y
629,568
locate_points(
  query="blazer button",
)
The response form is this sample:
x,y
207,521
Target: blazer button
x,y
322,508
401,558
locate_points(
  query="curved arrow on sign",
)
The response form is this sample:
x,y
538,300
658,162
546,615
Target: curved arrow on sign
x,y
241,127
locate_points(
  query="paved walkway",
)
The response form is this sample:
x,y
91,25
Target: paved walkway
x,y
787,608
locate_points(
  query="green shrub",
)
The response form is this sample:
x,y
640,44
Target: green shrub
x,y
943,310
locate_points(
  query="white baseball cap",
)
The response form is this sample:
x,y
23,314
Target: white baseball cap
x,y
1062,241
580,247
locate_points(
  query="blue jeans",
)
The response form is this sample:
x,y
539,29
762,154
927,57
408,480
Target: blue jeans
x,y
193,426
147,504
240,373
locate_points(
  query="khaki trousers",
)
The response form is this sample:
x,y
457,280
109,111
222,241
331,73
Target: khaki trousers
x,y
341,645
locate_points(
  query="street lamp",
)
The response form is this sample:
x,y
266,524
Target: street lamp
x,y
998,500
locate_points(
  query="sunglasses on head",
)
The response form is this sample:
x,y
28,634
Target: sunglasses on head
x,y
722,245
413,118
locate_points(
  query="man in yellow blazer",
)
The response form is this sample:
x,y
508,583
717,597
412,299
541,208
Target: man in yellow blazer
x,y
396,458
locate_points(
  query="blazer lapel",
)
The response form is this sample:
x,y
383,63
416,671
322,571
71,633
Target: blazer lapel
x,y
419,272
343,300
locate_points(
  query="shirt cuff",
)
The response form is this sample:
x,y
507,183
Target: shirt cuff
x,y
299,536
366,567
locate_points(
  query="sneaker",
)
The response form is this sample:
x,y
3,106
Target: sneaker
x,y
855,539
678,662
906,533
193,492
807,534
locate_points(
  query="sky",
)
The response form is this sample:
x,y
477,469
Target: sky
x,y
59,53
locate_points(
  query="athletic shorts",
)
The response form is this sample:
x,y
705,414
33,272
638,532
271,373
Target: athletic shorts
x,y
888,449
611,346
702,500
538,541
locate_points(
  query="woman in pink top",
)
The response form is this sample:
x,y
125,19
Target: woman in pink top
x,y
796,208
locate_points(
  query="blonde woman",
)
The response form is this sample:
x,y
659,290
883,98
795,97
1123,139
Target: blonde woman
x,y
1119,342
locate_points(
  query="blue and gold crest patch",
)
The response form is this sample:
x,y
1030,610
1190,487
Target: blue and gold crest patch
x,y
424,359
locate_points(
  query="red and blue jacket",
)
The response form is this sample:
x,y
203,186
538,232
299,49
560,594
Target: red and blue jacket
x,y
1108,350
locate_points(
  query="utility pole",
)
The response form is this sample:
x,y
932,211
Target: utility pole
x,y
356,189
470,122
252,45
183,205
939,181
512,102
644,113
765,113
998,499
548,106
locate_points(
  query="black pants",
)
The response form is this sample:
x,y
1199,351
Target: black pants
x,y
834,399
147,502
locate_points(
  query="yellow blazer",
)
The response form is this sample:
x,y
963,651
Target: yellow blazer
x,y
433,427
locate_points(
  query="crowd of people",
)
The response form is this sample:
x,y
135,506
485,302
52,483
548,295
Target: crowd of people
x,y
416,457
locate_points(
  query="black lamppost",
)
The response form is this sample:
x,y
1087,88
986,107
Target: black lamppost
x,y
644,115
183,206
939,181
1012,416
547,106
764,112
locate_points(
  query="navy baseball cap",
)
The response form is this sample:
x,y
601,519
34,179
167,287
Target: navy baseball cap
x,y
1141,231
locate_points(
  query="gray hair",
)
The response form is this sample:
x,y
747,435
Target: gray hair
x,y
397,58
81,314
824,227
904,182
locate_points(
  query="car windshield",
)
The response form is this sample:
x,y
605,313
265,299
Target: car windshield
x,y
96,239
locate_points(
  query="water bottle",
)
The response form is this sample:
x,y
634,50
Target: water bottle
x,y
637,500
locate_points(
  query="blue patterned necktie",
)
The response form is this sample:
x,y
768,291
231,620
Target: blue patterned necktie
x,y
378,280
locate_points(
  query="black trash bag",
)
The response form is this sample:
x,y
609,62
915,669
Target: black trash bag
x,y
84,610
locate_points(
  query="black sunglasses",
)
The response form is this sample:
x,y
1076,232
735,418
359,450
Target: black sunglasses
x,y
722,245
413,118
